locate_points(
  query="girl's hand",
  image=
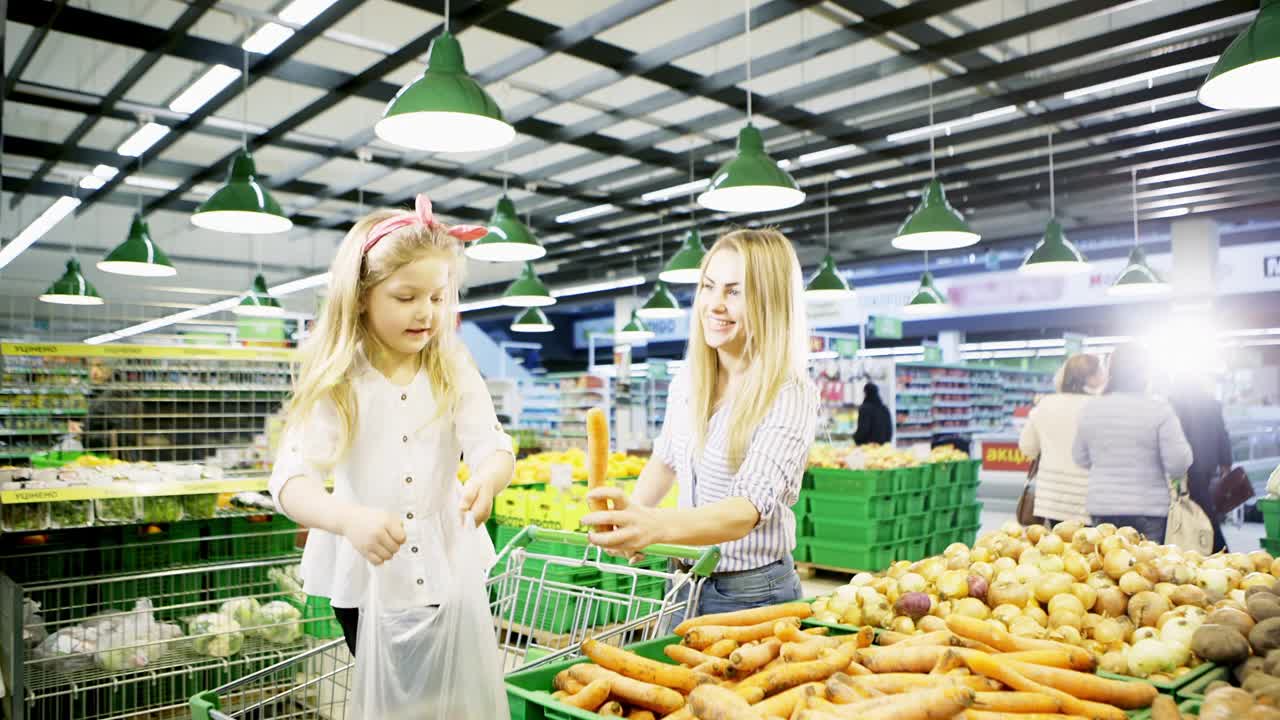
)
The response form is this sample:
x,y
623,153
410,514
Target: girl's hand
x,y
634,527
376,534
477,499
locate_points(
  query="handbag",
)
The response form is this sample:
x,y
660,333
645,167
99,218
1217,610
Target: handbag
x,y
1026,512
1231,490
1188,527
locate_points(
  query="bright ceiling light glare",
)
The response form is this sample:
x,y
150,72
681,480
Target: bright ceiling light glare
x,y
1247,75
267,38
1141,77
201,91
674,191
301,12
91,182
142,139
946,127
38,227
585,213
602,286
934,224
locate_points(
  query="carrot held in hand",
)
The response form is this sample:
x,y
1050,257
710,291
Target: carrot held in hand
x,y
598,457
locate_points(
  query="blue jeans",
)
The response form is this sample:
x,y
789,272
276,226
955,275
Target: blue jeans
x,y
727,592
1152,526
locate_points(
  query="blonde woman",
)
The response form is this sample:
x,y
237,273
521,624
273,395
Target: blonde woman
x,y
740,422
385,402
1050,434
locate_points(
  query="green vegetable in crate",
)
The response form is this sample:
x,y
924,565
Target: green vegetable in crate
x,y
215,635
70,513
281,622
18,517
289,582
200,507
117,509
162,508
243,610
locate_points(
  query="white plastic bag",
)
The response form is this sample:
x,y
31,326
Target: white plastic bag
x,y
1188,526
429,663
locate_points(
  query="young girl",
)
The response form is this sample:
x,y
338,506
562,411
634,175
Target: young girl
x,y
385,403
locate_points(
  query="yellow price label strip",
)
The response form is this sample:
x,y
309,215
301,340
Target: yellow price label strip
x,y
123,490
159,352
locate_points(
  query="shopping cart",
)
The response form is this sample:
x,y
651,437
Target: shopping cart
x,y
548,592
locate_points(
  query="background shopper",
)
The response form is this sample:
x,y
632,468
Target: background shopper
x,y
1061,486
1200,415
875,425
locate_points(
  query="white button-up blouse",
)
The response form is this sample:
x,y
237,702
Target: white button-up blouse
x,y
404,460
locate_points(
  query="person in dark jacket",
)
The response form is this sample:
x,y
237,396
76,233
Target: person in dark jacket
x,y
875,427
1201,417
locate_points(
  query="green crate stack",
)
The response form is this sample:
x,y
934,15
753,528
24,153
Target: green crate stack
x,y
647,590
1270,509
252,537
863,519
801,510
128,549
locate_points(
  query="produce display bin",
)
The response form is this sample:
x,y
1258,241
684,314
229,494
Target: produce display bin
x,y
908,479
852,557
913,526
966,472
908,503
944,496
967,515
854,482
1270,509
966,493
855,531
1194,690
1173,686
1271,545
847,507
912,549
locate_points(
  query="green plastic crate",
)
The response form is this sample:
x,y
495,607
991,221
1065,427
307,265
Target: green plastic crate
x,y
555,612
966,472
837,554
1271,545
55,459
967,535
135,548
967,515
941,521
850,507
320,622
1190,708
1194,690
1270,509
801,552
855,531
937,474
912,549
937,543
909,503
913,526
908,480
966,493
251,537
1169,688
854,482
944,496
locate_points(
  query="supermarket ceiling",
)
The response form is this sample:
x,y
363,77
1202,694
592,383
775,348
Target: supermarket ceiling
x,y
616,102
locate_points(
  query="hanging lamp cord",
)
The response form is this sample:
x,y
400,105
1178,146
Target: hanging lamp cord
x,y
446,15
747,22
1133,184
933,172
1053,212
826,212
244,102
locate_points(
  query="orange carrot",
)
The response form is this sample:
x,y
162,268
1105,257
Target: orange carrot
x,y
613,708
1165,708
705,635
936,704
784,703
722,649
638,714
590,697
564,681
901,659
789,675
635,692
987,715
597,422
747,659
895,683
710,702
638,668
1016,702
993,667
1086,686
817,631
982,632
692,658
857,670
1048,658
753,616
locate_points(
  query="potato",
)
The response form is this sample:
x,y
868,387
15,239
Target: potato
x,y
1265,636
1255,589
1263,606
1220,644
1247,668
1226,703
1257,681
1271,664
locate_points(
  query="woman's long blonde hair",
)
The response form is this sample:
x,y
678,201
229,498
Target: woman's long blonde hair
x,y
331,353
776,338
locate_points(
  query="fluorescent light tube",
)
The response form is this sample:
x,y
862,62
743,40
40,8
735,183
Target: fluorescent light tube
x,y
149,182
38,227
300,284
106,172
142,139
597,287
945,128
480,305
586,213
1150,75
828,154
267,38
92,182
301,12
200,92
676,191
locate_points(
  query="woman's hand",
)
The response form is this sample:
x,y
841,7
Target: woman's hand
x,y
632,528
377,535
477,499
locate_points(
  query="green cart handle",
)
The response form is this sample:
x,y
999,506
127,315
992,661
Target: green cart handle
x,y
704,559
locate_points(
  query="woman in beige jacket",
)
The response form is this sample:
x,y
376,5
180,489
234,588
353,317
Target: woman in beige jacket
x,y
1061,487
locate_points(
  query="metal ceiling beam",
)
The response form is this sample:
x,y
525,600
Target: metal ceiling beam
x,y
32,46
189,17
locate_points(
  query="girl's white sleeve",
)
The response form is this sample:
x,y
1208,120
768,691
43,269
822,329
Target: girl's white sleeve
x,y
305,442
476,425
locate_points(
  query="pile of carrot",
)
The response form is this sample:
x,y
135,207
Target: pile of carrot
x,y
759,664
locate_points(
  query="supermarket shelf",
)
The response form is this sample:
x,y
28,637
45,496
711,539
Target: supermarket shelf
x,y
42,411
128,489
913,436
952,404
190,387
45,390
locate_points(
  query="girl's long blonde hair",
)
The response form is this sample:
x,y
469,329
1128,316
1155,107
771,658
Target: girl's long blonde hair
x,y
776,338
331,353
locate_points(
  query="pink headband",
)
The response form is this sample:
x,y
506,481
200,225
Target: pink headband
x,y
421,215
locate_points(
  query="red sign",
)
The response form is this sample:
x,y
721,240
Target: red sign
x,y
1004,456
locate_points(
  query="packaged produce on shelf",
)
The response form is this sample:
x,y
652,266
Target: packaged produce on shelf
x,y
1134,605
162,508
243,610
279,622
200,507
877,457
288,580
23,517
69,649
70,513
215,635
763,663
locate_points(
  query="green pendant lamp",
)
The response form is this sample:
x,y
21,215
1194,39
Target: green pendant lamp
x,y
685,267
662,304
527,290
934,225
826,285
258,302
1247,75
532,320
72,288
1138,279
509,240
445,110
927,300
1054,254
634,332
138,255
242,205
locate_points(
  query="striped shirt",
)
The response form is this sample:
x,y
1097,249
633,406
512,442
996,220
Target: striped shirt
x,y
1131,445
769,476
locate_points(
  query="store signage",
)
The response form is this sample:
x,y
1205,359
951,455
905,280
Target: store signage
x,y
664,330
1271,266
932,352
1004,457
884,327
847,347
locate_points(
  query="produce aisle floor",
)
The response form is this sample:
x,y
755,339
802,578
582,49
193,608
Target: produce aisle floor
x,y
1241,538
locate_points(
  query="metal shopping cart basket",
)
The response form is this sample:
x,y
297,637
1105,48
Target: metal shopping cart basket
x,y
548,592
